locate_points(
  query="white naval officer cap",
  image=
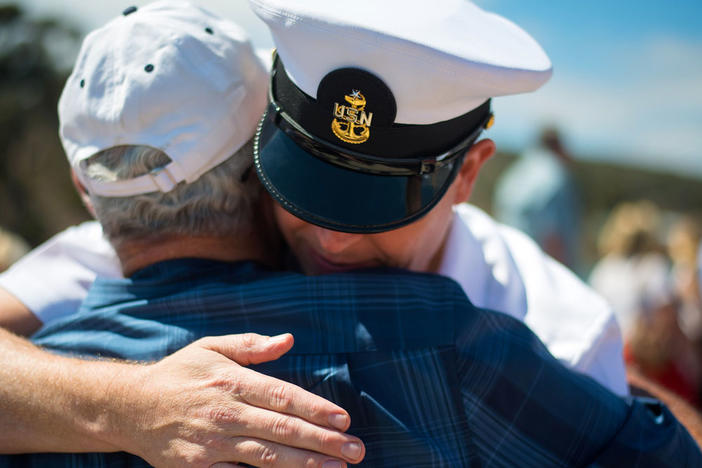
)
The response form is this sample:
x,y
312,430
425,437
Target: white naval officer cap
x,y
169,75
374,103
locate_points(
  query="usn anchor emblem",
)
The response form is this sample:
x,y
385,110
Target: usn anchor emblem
x,y
351,123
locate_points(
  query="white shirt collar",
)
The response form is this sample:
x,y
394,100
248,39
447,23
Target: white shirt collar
x,y
477,257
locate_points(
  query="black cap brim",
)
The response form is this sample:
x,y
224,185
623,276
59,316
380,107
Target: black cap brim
x,y
337,198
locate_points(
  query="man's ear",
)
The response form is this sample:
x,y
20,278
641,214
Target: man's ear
x,y
472,162
83,193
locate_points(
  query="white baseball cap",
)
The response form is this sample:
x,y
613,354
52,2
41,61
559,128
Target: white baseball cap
x,y
169,75
374,103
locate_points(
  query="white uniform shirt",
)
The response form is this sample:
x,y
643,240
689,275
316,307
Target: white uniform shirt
x,y
498,267
502,269
53,279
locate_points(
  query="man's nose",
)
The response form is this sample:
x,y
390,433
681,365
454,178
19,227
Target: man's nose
x,y
334,241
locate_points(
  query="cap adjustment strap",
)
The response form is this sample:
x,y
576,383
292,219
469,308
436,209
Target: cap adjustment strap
x,y
161,179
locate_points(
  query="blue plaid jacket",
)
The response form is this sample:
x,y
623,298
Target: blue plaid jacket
x,y
428,379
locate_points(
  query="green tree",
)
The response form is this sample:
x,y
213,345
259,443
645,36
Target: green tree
x,y
36,195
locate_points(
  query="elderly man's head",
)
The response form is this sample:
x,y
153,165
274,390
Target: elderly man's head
x,y
221,202
157,119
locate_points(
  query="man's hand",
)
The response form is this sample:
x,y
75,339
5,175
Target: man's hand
x,y
200,406
197,407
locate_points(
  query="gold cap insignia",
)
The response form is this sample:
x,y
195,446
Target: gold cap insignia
x,y
490,122
351,122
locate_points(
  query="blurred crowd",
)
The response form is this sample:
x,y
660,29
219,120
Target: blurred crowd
x,y
648,271
648,266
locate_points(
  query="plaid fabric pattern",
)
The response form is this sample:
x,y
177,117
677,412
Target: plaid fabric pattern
x,y
428,379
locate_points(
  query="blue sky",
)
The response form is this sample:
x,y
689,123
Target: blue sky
x,y
627,83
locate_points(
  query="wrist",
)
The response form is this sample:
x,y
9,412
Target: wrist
x,y
123,407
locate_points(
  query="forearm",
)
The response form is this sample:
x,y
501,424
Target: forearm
x,y
197,405
50,403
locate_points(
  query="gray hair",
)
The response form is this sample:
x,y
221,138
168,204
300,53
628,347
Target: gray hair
x,y
219,203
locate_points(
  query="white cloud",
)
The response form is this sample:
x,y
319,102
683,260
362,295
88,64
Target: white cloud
x,y
649,111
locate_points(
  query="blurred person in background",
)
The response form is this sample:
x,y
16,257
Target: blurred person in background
x,y
538,195
633,271
634,276
12,248
683,248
